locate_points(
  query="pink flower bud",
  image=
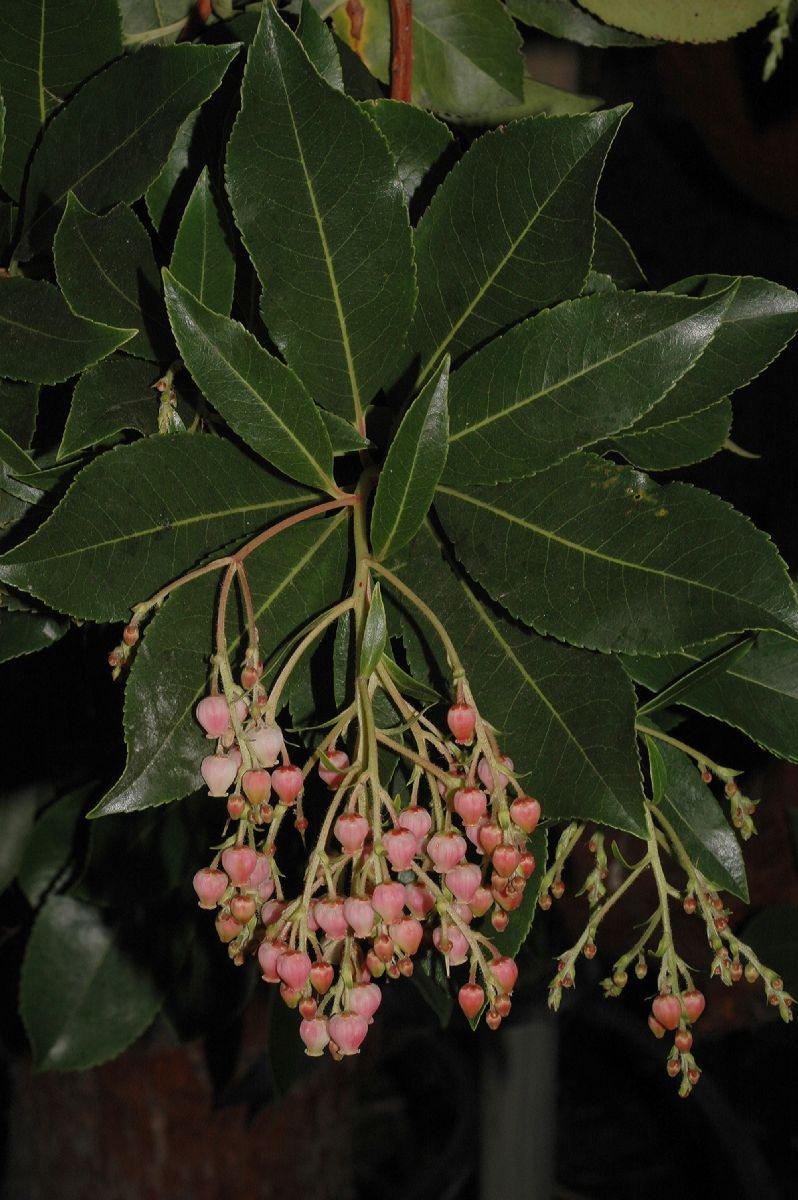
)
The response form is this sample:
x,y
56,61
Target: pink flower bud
x,y
526,813
454,945
505,859
257,786
267,743
315,1035
271,910
486,775
268,955
242,909
471,998
210,886
505,972
406,934
364,999
417,820
351,830
462,720
348,1031
239,862
227,927
265,892
293,967
287,783
321,976
446,850
388,900
490,837
471,804
360,915
400,847
418,899
463,911
335,775
330,916
218,771
481,901
463,881
290,996
472,832
213,715
261,871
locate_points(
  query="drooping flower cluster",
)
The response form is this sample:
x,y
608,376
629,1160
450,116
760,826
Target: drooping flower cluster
x,y
386,876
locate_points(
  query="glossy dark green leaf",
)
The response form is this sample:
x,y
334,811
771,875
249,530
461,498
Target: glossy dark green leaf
x,y
712,665
773,934
538,98
375,634
466,55
408,685
46,50
413,466
292,577
682,20
319,45
203,261
565,716
759,321
18,408
511,939
105,999
12,455
566,19
260,398
679,440
114,395
342,434
8,221
509,231
138,516
50,845
416,139
172,188
432,982
323,217
601,556
568,377
757,693
613,256
657,771
110,142
42,340
690,807
17,813
106,270
25,632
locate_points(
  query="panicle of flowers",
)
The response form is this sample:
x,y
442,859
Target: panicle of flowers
x,y
677,1003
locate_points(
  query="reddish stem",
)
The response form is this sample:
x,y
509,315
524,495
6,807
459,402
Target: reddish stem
x,y
314,511
402,49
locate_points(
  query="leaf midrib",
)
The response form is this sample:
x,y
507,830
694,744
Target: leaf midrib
x,y
149,532
493,275
117,147
522,671
550,535
328,261
329,486
687,364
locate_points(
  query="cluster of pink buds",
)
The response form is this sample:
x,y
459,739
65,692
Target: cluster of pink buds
x,y
385,879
